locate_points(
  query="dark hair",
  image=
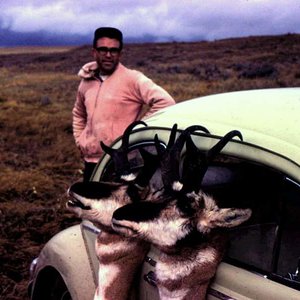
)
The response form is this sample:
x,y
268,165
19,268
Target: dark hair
x,y
110,32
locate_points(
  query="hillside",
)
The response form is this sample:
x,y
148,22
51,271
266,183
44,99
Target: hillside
x,y
39,159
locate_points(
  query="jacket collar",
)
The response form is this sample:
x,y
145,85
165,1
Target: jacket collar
x,y
90,70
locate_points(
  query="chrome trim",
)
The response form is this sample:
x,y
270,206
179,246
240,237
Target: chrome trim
x,y
292,181
219,295
33,267
90,227
150,278
150,261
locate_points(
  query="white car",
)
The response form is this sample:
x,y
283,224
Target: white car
x,y
262,260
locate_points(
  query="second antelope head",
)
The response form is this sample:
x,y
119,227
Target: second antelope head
x,y
184,208
96,201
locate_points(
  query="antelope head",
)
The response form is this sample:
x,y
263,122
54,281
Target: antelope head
x,y
184,209
96,201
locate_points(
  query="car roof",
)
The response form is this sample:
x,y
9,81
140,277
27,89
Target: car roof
x,y
267,118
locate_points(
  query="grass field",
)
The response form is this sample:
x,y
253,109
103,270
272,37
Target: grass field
x,y
34,49
39,159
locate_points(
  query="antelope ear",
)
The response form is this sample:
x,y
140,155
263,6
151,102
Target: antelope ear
x,y
222,217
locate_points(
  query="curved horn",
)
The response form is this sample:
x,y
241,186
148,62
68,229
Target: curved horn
x,y
216,149
139,185
194,167
170,159
162,151
151,163
119,156
196,162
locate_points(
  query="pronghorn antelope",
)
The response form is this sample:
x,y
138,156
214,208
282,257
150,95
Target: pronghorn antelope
x,y
119,257
186,225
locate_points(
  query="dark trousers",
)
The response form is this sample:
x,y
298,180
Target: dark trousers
x,y
88,170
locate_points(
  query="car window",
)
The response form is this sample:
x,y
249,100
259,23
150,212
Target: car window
x,y
289,247
269,243
134,157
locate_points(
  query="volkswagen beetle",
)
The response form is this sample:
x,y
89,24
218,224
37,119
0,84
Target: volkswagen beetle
x,y
263,256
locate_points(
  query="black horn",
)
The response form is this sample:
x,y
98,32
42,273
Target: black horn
x,y
140,186
119,156
151,164
170,158
196,162
216,149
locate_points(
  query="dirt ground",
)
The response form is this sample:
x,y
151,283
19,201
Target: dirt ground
x,y
27,234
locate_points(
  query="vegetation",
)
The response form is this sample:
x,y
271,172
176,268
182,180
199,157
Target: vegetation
x,y
39,159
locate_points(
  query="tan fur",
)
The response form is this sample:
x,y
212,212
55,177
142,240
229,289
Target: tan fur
x,y
186,274
191,243
119,257
119,262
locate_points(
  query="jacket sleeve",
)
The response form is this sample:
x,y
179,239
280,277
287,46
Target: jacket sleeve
x,y
153,95
79,116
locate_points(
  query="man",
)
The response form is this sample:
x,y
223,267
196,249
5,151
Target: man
x,y
110,97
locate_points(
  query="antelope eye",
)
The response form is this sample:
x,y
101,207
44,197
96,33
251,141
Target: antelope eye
x,y
185,206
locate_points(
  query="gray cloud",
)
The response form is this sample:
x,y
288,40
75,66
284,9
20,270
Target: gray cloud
x,y
163,19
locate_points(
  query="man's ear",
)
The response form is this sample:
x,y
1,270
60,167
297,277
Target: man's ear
x,y
224,217
94,53
121,53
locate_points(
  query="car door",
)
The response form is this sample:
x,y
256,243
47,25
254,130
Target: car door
x,y
262,261
262,258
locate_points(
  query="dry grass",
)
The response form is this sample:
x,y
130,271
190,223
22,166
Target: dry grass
x,y
38,156
34,49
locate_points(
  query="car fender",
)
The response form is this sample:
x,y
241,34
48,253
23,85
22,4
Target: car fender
x,y
66,252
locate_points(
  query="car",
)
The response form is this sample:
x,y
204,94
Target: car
x,y
263,170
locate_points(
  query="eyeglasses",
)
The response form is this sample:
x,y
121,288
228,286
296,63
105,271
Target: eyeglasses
x,y
105,50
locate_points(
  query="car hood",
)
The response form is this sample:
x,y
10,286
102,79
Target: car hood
x,y
267,118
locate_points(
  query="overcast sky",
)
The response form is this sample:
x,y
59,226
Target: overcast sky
x,y
163,20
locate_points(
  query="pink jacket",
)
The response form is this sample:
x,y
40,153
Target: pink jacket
x,y
104,109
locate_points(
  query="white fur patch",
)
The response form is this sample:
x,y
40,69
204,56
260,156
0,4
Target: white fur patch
x,y
177,186
210,203
177,270
203,226
164,232
129,177
103,210
115,247
165,294
106,276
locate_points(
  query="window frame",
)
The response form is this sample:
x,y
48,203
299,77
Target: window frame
x,y
275,254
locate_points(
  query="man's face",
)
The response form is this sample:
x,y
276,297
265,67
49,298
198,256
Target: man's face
x,y
107,55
